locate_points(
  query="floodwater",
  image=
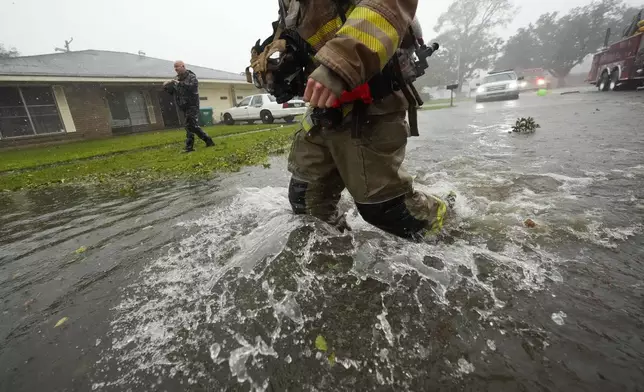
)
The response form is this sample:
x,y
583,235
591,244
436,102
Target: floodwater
x,y
217,287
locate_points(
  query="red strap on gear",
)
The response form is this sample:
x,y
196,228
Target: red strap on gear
x,y
360,93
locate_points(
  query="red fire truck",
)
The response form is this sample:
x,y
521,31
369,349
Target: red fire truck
x,y
620,65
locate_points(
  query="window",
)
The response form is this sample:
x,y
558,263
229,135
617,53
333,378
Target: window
x,y
240,97
257,101
272,98
223,98
245,101
128,108
203,98
29,110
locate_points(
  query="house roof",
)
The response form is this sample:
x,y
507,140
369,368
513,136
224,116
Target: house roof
x,y
103,64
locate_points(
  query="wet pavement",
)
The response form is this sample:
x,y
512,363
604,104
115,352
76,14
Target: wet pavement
x,y
217,286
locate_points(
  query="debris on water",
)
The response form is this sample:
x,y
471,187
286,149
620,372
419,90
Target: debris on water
x,y
530,223
464,366
570,92
559,317
332,359
288,359
320,343
80,250
61,322
491,345
525,125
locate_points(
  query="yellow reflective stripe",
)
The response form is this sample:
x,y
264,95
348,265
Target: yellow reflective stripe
x,y
306,124
329,28
364,13
368,40
374,31
346,109
437,225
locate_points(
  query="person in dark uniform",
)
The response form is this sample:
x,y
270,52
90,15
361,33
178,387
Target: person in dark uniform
x,y
185,88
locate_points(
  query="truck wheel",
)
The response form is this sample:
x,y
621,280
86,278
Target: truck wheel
x,y
289,119
614,79
267,117
228,119
604,82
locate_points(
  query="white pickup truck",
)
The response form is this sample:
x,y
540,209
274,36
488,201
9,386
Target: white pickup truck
x,y
263,107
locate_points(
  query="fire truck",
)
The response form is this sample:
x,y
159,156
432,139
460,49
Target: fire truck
x,y
620,66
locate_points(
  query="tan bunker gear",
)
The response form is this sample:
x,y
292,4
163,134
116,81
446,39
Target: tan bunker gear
x,y
353,42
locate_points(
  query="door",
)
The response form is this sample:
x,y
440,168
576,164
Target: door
x,y
169,110
241,111
255,107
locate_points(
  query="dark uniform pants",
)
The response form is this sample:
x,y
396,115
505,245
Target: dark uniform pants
x,y
192,128
323,163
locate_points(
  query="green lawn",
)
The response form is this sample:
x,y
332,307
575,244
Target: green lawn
x,y
140,158
39,156
445,100
435,107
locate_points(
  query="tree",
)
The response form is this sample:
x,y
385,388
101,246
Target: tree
x,y
558,43
442,65
467,29
4,53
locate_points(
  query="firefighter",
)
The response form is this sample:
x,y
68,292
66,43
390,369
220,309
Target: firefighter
x,y
364,147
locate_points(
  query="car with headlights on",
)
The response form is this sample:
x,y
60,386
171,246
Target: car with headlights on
x,y
535,79
498,85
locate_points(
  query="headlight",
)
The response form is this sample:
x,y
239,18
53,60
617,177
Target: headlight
x,y
523,83
513,85
480,89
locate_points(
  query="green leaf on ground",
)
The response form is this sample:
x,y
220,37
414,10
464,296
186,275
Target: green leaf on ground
x,y
61,322
332,359
320,343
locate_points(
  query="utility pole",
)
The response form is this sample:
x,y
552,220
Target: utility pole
x,y
66,46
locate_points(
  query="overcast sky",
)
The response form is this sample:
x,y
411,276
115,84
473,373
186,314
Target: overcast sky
x,y
211,33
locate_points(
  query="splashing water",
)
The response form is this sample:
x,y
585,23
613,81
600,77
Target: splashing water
x,y
250,286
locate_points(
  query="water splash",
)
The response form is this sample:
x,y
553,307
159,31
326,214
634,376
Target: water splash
x,y
253,285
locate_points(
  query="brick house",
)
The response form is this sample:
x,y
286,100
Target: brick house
x,y
92,94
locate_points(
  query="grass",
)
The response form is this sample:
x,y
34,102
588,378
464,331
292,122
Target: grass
x,y
445,100
40,156
148,157
435,107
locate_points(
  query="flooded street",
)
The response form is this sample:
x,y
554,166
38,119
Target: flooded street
x,y
218,286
